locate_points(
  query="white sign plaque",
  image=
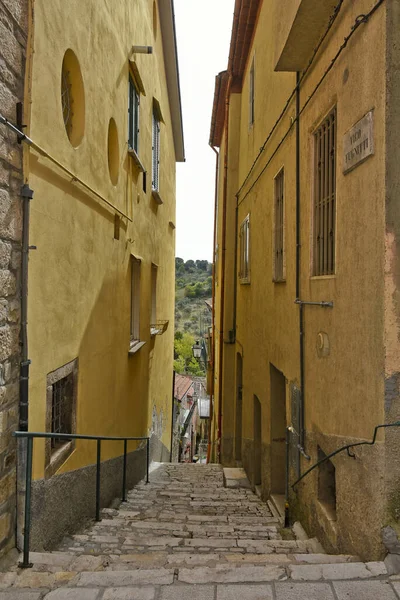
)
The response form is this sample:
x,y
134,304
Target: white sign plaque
x,y
358,142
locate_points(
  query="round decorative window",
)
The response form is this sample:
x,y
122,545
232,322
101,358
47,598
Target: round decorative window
x,y
113,151
72,98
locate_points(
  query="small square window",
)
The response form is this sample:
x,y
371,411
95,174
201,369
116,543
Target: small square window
x,y
244,268
62,385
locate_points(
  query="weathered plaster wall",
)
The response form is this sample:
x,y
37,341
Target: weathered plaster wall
x,y
13,40
344,390
80,278
392,267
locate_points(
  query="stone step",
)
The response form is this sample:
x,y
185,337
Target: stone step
x,y
201,575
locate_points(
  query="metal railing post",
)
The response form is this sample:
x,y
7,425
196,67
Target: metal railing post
x,y
28,489
124,472
147,459
98,467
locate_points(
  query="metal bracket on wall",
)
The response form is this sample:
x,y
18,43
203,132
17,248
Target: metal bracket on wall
x,y
323,304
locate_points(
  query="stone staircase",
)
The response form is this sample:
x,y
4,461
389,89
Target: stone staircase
x,y
185,535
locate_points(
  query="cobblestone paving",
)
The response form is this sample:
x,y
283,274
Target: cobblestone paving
x,y
186,536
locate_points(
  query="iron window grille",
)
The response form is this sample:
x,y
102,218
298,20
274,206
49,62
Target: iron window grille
x,y
61,402
325,197
133,116
244,269
66,99
156,154
62,408
279,233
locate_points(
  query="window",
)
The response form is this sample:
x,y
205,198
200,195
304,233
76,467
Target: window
x,y
279,233
251,95
153,316
325,197
135,301
72,98
133,116
244,272
155,180
61,399
327,485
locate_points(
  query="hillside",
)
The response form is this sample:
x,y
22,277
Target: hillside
x,y
193,286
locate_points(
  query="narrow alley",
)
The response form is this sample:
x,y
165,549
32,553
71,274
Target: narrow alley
x,y
185,535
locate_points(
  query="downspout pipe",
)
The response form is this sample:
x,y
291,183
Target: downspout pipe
x,y
213,303
172,415
298,271
26,195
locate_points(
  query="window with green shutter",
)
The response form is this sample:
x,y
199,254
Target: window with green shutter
x,y
155,181
133,116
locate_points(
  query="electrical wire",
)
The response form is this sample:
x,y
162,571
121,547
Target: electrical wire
x,y
287,104
361,19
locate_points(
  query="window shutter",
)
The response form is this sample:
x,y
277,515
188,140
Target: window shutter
x,y
155,153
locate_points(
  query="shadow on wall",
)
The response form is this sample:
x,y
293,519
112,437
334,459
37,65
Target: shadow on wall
x,y
112,400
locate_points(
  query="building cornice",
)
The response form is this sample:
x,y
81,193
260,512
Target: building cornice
x,y
168,32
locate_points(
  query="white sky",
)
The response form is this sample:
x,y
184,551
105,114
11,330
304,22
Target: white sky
x,y
203,36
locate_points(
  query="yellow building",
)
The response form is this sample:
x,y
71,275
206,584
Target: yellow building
x,y
306,313
103,110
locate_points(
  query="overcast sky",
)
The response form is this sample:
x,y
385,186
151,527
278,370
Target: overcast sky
x,y
203,35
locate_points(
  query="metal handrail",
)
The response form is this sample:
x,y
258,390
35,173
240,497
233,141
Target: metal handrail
x,y
347,447
31,435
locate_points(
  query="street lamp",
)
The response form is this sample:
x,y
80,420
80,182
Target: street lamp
x,y
196,349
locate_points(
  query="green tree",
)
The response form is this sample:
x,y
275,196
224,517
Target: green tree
x,y
194,368
179,365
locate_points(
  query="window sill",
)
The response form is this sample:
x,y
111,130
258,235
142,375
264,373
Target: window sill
x,y
279,280
244,281
135,345
58,457
322,277
136,159
156,197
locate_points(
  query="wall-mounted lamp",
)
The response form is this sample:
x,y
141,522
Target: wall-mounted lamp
x,y
142,49
196,349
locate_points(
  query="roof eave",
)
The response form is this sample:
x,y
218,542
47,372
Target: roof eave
x,y
168,32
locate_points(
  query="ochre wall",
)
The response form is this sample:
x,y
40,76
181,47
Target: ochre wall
x,y
79,276
344,392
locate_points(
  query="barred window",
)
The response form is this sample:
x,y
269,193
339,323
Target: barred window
x,y
61,408
279,233
244,269
61,400
325,197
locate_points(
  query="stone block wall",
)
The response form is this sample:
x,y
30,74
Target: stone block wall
x,y
13,40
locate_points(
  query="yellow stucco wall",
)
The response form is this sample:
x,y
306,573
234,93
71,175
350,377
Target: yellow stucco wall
x,y
344,392
79,276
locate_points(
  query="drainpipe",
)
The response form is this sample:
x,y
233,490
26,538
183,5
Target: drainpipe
x,y
213,304
298,272
223,252
172,415
27,195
